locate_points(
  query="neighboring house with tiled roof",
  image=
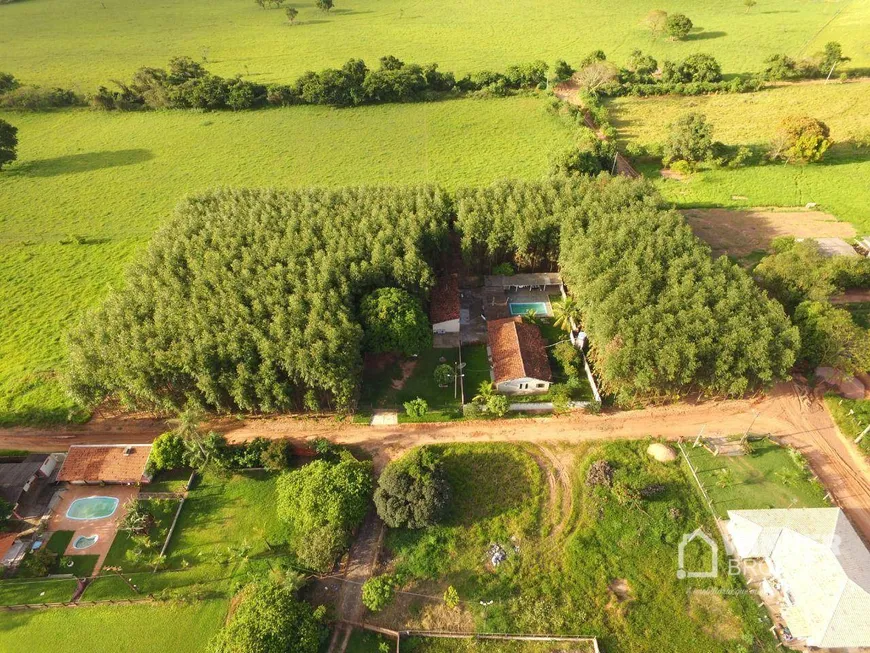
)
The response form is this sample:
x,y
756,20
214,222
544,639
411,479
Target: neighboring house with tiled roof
x,y
821,565
518,357
17,478
101,463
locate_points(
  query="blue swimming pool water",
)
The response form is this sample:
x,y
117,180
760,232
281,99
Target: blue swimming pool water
x,y
92,508
85,541
522,308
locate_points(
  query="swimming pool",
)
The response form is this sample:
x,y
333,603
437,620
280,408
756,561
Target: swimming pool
x,y
92,508
85,541
522,308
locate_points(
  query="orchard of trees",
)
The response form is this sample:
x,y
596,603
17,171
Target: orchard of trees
x,y
662,316
248,300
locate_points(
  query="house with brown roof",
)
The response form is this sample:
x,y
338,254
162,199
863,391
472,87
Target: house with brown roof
x,y
106,463
518,357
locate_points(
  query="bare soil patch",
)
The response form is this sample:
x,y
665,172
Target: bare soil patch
x,y
667,173
853,296
740,233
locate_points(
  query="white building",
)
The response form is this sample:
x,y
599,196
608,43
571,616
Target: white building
x,y
821,565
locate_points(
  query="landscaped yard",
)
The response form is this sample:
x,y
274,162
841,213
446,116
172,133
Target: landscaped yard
x,y
85,44
114,177
588,564
161,628
403,380
14,592
838,183
772,476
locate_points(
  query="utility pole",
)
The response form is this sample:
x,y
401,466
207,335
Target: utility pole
x,y
746,435
698,439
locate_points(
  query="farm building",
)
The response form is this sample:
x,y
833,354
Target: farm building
x,y
21,480
112,463
518,357
819,571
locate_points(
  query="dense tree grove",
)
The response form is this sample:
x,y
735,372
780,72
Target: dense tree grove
x,y
248,299
270,619
831,338
412,491
662,316
393,320
322,503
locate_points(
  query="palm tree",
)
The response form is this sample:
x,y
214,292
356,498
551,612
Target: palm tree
x,y
566,311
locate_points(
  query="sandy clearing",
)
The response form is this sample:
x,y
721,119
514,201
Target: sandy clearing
x,y
739,233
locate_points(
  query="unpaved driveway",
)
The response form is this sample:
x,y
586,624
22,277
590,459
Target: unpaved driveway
x,y
784,412
740,233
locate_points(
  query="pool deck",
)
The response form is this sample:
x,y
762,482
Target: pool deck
x,y
105,528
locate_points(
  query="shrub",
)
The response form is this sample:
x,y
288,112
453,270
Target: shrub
x,y
277,456
690,139
504,269
472,411
569,356
443,374
451,598
417,408
40,562
322,546
795,272
678,26
8,82
498,405
35,98
412,492
696,68
560,396
378,592
562,71
168,451
802,139
269,619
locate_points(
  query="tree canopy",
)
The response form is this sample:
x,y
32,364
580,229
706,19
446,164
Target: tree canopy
x,y
393,320
269,619
412,491
8,142
830,337
663,318
248,299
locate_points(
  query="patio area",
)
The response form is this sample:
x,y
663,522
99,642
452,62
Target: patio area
x,y
103,527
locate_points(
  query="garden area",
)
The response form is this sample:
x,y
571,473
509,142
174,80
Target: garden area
x,y
603,566
769,475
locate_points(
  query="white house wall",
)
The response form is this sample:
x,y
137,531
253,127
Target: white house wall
x,y
450,326
512,387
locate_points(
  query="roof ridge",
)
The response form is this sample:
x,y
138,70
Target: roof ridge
x,y
516,326
833,611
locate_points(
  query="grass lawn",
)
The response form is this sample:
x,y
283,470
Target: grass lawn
x,y
13,592
170,481
160,628
852,417
366,641
113,178
562,579
85,44
768,478
838,183
218,516
379,389
163,511
436,645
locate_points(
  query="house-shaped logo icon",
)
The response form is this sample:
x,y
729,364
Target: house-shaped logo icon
x,y
698,534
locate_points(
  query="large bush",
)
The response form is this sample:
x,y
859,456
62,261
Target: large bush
x,y
168,451
412,491
248,299
663,317
801,139
690,139
322,502
830,337
269,619
394,320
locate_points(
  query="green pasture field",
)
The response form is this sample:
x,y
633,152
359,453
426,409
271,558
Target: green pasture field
x,y
768,478
852,417
83,44
566,554
146,628
438,645
838,183
89,189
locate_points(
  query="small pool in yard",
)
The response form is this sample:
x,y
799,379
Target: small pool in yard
x,y
85,541
540,308
92,508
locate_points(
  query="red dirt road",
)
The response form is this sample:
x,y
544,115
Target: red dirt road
x,y
786,412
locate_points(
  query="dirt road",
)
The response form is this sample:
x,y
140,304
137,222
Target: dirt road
x,y
786,412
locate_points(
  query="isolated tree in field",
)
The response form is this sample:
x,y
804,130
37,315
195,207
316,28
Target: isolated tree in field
x,y
8,143
325,5
393,320
690,139
801,139
830,337
269,619
412,492
7,82
749,4
678,26
830,57
291,12
656,22
564,312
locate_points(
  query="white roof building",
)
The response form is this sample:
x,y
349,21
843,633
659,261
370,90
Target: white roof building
x,y
822,566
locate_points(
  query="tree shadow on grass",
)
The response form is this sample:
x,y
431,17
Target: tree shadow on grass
x,y
704,36
72,164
